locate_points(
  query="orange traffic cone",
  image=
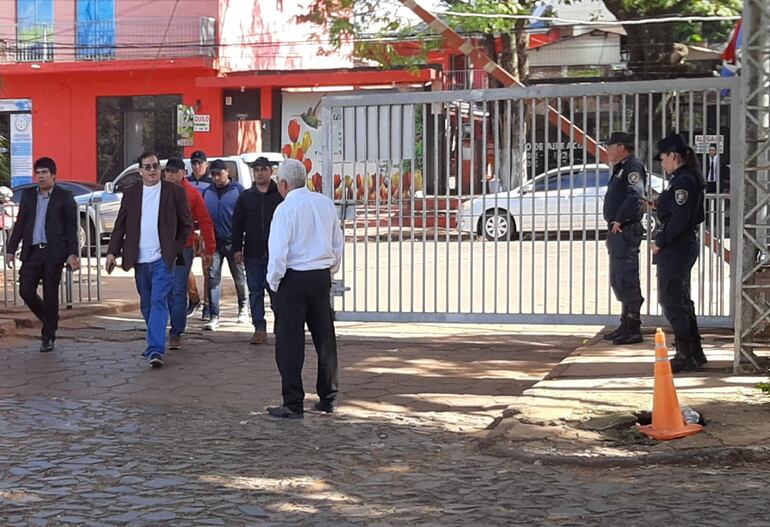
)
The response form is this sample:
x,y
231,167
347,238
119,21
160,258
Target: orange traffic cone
x,y
667,421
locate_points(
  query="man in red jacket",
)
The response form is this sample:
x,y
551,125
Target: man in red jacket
x,y
177,299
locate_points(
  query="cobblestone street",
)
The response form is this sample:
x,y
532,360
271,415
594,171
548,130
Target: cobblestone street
x,y
89,435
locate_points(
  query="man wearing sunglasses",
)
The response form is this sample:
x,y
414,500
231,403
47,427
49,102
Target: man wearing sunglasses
x,y
201,180
149,241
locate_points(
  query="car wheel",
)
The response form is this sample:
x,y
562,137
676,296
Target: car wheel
x,y
82,237
497,225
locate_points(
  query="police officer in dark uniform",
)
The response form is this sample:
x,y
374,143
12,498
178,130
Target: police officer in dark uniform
x,y
623,209
675,250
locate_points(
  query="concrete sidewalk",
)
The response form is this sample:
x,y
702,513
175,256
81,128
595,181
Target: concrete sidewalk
x,y
118,292
581,412
586,409
118,296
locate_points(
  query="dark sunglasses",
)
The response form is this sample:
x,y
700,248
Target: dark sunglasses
x,y
153,166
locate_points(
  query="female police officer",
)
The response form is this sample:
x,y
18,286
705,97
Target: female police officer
x,y
675,249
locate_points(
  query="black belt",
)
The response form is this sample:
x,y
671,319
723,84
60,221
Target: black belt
x,y
39,245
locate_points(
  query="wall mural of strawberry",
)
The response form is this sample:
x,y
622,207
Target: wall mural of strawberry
x,y
374,181
301,130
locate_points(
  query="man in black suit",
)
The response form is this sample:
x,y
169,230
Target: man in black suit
x,y
717,173
48,225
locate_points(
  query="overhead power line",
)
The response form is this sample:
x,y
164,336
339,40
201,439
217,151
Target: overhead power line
x,y
598,23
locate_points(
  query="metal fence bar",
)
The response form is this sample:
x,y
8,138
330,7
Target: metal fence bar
x,y
76,287
470,160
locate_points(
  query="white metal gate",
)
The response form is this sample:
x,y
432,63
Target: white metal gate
x,y
479,206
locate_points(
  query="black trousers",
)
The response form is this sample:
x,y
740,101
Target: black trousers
x,y
303,297
674,295
623,249
39,266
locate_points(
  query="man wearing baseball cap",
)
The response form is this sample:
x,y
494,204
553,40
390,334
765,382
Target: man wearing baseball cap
x,y
623,210
200,179
251,225
175,172
220,199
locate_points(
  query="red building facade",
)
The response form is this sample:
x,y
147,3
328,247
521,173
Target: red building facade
x,y
99,81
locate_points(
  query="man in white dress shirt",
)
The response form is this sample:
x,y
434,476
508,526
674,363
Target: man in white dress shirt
x,y
305,249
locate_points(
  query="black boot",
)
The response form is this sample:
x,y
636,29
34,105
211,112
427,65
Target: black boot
x,y
683,359
633,333
697,354
617,332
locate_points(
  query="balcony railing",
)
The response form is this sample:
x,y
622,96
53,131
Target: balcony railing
x,y
470,79
137,38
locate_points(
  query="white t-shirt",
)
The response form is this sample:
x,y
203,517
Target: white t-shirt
x,y
149,241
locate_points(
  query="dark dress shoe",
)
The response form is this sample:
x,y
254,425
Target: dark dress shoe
x,y
284,412
326,406
47,345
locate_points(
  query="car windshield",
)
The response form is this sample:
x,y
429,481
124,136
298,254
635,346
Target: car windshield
x,y
79,188
129,180
577,179
92,187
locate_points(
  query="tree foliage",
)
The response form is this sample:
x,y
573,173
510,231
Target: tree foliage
x,y
650,45
365,22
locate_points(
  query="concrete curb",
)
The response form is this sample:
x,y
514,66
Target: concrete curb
x,y
694,456
10,325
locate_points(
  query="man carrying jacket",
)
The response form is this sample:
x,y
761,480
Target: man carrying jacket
x,y
220,200
175,172
251,226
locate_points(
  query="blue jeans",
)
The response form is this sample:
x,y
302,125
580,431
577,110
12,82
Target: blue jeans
x,y
153,283
177,298
256,279
225,252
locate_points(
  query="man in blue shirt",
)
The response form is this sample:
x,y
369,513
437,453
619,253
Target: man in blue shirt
x,y
47,224
220,199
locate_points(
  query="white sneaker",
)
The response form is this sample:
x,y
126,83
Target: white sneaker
x,y
212,324
243,316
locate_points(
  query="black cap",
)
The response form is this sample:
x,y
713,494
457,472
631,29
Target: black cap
x,y
672,143
198,155
621,138
261,162
217,165
175,163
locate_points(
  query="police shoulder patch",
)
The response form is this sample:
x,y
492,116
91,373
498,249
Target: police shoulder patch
x,y
633,178
680,196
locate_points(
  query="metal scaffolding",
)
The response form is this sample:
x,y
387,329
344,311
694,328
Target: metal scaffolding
x,y
752,203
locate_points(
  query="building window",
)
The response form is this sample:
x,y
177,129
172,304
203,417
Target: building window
x,y
128,126
95,29
34,30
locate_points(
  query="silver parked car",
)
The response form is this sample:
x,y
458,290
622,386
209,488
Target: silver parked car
x,y
86,194
563,199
